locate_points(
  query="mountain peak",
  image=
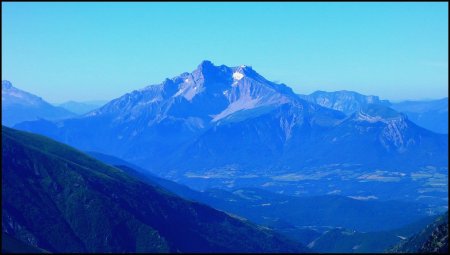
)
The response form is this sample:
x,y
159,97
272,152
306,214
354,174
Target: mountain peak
x,y
19,106
207,69
205,64
6,84
243,68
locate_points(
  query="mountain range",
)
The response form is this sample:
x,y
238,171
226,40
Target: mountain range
x,y
58,199
235,120
337,171
230,128
430,114
18,106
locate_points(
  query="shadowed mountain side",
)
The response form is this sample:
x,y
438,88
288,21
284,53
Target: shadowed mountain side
x,y
431,239
61,200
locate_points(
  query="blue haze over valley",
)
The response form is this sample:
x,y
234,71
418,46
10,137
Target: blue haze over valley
x,y
219,157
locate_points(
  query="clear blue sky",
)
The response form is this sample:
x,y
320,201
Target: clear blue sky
x,y
88,51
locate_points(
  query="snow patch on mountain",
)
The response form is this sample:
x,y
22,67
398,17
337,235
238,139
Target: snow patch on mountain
x,y
238,75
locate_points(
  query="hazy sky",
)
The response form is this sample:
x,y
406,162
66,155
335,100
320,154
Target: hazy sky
x,y
88,51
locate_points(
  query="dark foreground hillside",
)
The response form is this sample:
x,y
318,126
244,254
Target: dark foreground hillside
x,y
61,200
432,239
